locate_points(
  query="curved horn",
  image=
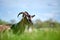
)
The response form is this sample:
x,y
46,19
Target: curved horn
x,y
26,12
19,13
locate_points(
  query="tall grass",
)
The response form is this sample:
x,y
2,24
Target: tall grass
x,y
35,35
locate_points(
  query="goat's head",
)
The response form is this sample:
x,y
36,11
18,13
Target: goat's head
x,y
26,14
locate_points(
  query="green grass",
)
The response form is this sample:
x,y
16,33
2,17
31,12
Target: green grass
x,y
35,35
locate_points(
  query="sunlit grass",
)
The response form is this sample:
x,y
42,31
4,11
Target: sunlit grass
x,y
35,35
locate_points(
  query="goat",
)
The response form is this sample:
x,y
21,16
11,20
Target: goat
x,y
20,26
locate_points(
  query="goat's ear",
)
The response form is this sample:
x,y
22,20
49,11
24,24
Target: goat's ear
x,y
19,14
33,16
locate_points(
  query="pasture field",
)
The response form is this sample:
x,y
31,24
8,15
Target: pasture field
x,y
36,34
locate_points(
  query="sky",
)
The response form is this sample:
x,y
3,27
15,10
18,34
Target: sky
x,y
42,9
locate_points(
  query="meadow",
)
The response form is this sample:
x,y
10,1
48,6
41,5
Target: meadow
x,y
36,34
42,31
